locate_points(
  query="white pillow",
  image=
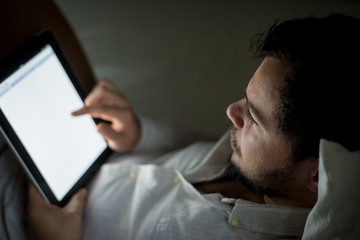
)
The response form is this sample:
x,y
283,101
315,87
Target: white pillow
x,y
336,214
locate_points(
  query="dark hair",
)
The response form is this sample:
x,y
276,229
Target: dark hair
x,y
320,97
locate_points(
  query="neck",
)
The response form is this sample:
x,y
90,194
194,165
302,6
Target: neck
x,y
300,199
228,187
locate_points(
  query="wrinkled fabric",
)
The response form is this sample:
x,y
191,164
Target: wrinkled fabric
x,y
336,214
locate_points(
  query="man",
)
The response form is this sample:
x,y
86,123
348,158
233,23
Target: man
x,y
303,91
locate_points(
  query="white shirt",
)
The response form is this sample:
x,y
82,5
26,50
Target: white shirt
x,y
149,195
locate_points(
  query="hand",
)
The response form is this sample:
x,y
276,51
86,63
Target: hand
x,y
108,103
55,223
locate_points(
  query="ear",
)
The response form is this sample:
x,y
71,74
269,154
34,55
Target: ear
x,y
313,177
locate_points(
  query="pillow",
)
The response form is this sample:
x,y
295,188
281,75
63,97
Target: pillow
x,y
336,215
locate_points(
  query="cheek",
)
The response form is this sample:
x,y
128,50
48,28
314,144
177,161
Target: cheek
x,y
260,154
253,155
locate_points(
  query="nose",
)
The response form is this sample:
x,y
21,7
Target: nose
x,y
235,113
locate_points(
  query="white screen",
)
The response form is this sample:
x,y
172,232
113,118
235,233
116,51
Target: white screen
x,y
38,100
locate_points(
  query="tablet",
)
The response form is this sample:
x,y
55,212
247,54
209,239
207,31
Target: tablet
x,y
38,92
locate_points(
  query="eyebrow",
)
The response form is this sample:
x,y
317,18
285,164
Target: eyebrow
x,y
254,110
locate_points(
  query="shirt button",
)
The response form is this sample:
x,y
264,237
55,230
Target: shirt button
x,y
176,180
235,222
133,175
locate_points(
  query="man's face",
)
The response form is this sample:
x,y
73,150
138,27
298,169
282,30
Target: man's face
x,y
261,154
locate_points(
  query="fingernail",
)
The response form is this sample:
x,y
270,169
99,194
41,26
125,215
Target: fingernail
x,y
78,112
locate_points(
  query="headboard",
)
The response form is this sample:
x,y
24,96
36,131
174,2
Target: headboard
x,y
21,19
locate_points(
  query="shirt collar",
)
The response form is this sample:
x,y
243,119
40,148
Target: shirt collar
x,y
269,219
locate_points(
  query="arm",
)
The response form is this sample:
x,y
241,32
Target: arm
x,y
159,136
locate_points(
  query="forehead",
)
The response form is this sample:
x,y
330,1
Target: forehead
x,y
263,90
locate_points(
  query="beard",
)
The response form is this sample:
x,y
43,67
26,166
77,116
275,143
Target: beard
x,y
272,183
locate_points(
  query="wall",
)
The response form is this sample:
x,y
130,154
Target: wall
x,y
182,60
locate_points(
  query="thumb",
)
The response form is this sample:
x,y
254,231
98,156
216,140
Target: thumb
x,y
77,202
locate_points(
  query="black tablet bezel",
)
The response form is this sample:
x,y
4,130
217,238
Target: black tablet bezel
x,y
9,65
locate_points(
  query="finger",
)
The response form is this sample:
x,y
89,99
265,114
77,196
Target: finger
x,y
110,93
104,112
106,82
104,95
113,138
107,132
36,202
108,86
79,112
77,202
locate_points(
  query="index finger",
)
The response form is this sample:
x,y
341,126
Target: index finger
x,y
104,112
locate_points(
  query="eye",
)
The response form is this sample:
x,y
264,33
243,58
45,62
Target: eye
x,y
250,117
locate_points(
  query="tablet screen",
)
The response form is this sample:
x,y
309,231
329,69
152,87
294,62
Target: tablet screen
x,y
37,100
